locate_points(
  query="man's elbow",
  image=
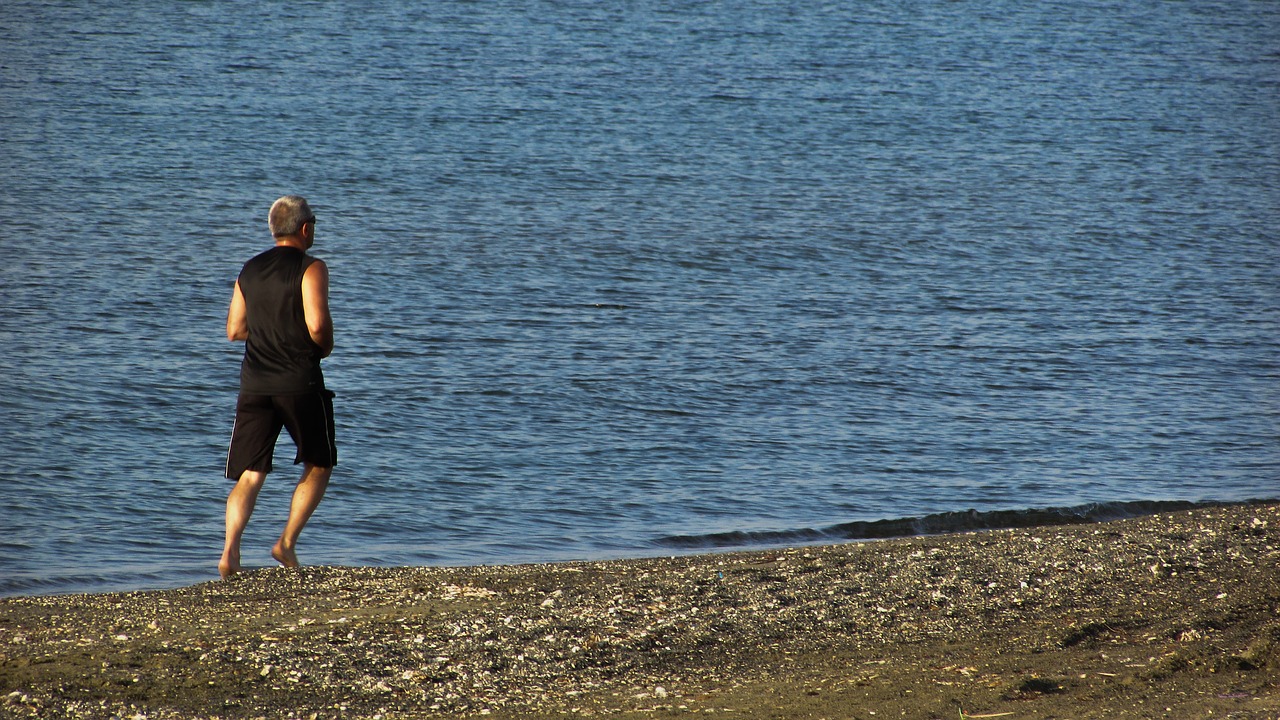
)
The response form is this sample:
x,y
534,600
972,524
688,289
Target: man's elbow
x,y
323,338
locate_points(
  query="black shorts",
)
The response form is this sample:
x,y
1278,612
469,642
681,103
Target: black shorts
x,y
309,419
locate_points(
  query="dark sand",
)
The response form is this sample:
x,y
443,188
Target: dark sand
x,y
1168,616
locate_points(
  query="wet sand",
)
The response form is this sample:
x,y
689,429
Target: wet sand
x,y
1168,616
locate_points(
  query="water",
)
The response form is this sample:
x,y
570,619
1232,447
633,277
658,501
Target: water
x,y
623,279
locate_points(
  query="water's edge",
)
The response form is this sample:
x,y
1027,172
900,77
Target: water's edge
x,y
947,523
934,524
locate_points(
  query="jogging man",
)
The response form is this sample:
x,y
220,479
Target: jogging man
x,y
280,309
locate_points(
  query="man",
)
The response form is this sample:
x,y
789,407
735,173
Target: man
x,y
280,309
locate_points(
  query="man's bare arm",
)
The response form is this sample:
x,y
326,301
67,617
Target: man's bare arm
x,y
315,306
237,325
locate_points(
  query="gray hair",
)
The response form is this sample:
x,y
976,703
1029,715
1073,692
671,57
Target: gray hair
x,y
288,215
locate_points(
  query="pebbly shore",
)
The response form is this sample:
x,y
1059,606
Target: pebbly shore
x,y
1167,616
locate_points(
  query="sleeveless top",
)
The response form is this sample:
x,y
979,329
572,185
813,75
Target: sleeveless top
x,y
280,358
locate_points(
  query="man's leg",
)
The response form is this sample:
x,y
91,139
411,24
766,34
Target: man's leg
x,y
306,497
240,505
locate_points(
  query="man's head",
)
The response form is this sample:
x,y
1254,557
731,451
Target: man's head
x,y
288,215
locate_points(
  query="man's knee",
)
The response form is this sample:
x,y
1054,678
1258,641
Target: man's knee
x,y
315,473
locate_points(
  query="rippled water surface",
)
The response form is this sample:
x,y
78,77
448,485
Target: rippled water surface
x,y
612,278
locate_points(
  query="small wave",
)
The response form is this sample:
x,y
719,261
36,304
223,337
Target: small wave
x,y
939,524
26,584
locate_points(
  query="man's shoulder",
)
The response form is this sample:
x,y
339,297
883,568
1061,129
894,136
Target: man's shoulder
x,y
263,256
279,253
275,262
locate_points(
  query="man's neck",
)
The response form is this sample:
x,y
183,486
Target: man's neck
x,y
292,241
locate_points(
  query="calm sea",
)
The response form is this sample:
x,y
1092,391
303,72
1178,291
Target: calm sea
x,y
623,278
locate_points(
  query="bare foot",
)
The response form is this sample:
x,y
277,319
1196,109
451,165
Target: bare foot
x,y
285,556
228,566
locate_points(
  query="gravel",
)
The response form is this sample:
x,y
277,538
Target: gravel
x,y
1174,615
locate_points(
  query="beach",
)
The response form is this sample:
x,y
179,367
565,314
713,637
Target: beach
x,y
1165,616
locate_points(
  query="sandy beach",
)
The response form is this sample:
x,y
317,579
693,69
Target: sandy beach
x,y
1167,616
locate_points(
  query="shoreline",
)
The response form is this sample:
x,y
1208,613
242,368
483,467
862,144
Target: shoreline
x,y
1172,615
954,522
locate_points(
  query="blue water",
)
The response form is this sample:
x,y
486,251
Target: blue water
x,y
616,279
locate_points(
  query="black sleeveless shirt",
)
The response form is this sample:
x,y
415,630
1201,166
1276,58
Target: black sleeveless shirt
x,y
280,358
